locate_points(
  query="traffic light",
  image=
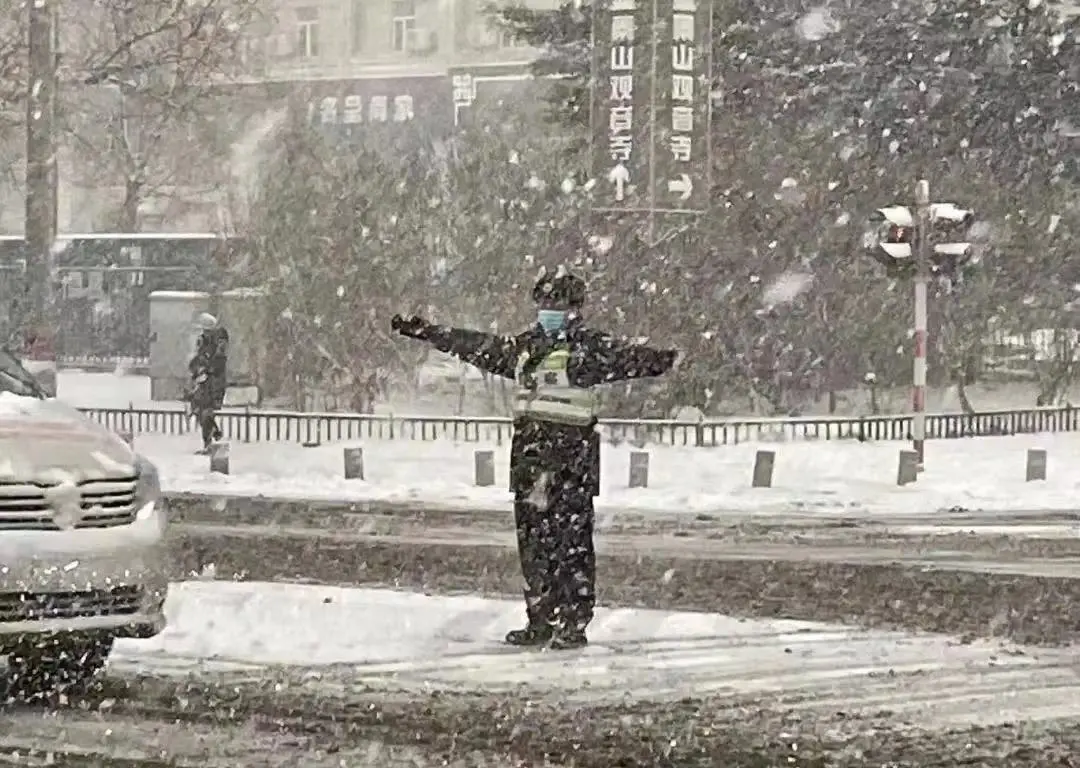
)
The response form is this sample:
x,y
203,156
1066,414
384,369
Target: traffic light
x,y
891,239
951,233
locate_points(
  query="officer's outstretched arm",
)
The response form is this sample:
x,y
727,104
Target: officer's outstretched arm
x,y
611,359
492,354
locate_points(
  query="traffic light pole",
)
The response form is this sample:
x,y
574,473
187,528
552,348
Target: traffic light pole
x,y
922,280
908,249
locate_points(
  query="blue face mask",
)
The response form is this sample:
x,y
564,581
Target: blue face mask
x,y
551,320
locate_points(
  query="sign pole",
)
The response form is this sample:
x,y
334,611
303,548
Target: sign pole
x,y
650,228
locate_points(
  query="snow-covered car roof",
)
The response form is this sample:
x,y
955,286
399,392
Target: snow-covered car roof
x,y
45,440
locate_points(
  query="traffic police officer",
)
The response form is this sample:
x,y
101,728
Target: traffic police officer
x,y
555,454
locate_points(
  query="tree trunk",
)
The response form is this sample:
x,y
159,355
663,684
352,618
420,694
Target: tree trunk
x,y
961,392
1056,375
128,220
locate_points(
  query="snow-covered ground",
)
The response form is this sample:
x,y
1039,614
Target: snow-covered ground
x,y
841,478
108,390
402,640
824,478
239,622
86,389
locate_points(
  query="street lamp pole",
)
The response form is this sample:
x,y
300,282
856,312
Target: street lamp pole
x,y
40,324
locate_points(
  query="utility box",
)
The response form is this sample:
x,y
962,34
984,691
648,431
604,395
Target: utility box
x,y
173,333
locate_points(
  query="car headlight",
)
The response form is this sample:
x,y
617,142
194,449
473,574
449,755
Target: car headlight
x,y
147,489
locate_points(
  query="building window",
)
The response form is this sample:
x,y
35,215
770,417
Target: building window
x,y
507,39
404,18
307,30
357,24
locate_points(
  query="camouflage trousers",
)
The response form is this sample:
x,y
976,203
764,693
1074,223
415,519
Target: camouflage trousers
x,y
554,520
208,427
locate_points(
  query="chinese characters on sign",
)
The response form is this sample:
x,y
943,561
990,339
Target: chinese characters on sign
x,y
683,63
621,102
350,110
464,92
464,89
651,104
620,154
432,107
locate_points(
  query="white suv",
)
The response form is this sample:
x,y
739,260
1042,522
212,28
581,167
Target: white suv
x,y
82,549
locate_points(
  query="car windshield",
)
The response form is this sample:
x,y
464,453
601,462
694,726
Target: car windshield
x,y
16,379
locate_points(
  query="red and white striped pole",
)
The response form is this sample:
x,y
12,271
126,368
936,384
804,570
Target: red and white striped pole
x,y
918,390
922,279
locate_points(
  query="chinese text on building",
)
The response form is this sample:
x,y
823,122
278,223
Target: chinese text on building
x,y
349,110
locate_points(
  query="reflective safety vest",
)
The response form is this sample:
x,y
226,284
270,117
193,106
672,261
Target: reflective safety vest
x,y
548,396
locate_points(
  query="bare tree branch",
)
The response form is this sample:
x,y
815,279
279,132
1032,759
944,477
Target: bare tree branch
x,y
143,76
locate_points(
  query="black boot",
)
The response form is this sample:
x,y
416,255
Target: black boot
x,y
568,638
532,635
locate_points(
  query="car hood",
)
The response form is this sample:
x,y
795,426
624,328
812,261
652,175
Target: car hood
x,y
49,441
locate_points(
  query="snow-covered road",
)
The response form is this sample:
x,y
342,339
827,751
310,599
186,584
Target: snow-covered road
x,y
339,637
307,652
76,739
301,648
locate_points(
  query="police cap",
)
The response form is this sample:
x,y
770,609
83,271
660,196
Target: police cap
x,y
562,287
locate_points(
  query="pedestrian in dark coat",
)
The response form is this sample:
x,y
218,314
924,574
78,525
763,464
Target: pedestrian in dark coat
x,y
555,454
209,379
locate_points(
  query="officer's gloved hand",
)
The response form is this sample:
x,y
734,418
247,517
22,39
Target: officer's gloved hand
x,y
414,326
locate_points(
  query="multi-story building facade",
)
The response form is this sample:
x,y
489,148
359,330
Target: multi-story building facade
x,y
346,64
349,38
365,61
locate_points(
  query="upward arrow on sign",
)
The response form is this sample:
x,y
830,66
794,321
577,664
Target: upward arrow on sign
x,y
682,186
620,177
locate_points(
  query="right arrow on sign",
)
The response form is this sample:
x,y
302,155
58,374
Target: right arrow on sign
x,y
682,186
619,176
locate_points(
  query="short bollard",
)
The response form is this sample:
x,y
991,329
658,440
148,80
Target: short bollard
x,y
354,463
484,469
764,461
907,470
1036,465
219,458
639,469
